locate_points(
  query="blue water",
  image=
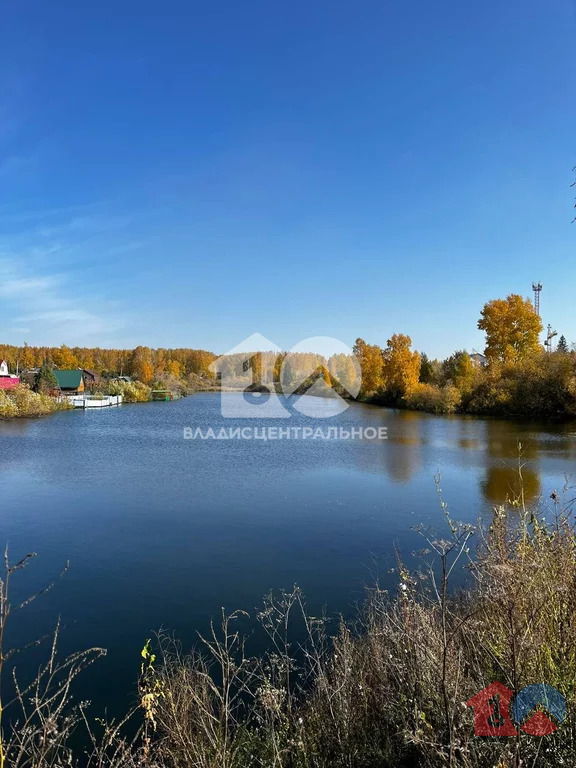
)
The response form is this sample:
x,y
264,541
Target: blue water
x,y
163,532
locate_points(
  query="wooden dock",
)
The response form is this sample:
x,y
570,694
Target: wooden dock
x,y
165,395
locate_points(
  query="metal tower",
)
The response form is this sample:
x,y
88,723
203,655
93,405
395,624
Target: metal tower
x,y
549,336
537,288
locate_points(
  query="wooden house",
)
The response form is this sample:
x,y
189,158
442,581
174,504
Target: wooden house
x,y
70,382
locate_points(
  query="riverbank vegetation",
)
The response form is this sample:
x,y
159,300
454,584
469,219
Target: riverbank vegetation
x,y
22,402
542,386
389,690
131,391
516,376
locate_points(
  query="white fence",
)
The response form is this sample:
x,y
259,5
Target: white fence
x,y
89,401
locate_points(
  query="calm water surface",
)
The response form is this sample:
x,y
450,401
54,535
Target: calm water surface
x,y
163,532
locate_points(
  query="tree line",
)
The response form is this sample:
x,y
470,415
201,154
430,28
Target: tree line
x,y
142,363
519,376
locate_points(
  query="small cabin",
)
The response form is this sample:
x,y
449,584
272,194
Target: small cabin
x,y
70,382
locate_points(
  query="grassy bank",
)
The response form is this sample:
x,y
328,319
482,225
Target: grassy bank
x,y
22,402
386,691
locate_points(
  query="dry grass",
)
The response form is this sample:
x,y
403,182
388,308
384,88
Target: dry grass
x,y
387,691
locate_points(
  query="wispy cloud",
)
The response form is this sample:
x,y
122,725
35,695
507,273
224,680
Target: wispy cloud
x,y
55,270
25,287
53,309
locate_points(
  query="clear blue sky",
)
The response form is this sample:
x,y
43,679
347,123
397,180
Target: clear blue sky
x,y
181,173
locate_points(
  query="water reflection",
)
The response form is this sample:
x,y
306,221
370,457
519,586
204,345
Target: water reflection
x,y
421,444
502,484
402,450
119,490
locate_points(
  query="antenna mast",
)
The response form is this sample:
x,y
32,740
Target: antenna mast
x,y
537,288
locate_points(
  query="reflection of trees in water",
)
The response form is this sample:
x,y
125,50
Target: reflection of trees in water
x,y
494,448
401,452
502,483
399,455
513,446
505,441
469,443
503,438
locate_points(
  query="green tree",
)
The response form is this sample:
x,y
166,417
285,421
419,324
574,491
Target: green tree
x,y
512,327
45,380
562,345
426,369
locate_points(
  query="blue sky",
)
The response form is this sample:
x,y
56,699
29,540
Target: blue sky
x,y
186,174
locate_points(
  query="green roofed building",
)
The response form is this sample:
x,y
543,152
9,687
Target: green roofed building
x,y
71,381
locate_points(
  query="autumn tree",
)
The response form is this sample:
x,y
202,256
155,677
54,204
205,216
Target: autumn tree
x,y
465,373
174,368
459,370
146,372
512,327
345,371
27,358
141,364
369,357
160,361
401,366
65,358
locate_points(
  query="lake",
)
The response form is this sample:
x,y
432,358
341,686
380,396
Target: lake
x,y
163,532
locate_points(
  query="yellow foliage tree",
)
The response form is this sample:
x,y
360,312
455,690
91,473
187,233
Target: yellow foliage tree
x,y
174,368
345,371
370,358
512,327
146,372
461,371
466,373
65,358
161,364
141,364
27,358
401,366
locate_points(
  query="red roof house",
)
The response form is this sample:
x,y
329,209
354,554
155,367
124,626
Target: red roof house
x,y
7,380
